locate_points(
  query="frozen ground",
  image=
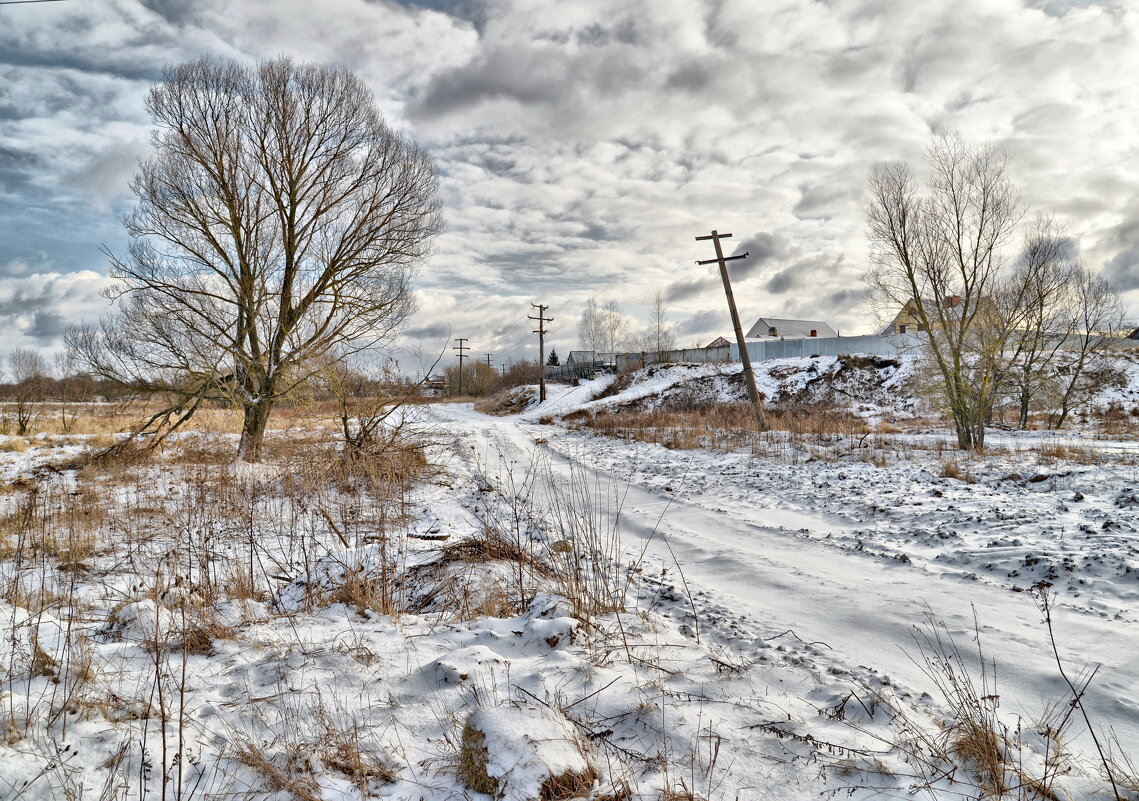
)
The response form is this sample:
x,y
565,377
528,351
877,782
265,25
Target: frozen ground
x,y
766,649
854,555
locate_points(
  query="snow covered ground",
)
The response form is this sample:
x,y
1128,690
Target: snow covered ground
x,y
774,613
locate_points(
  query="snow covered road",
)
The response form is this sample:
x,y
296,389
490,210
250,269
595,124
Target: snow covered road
x,y
760,561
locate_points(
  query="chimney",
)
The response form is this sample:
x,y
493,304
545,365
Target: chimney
x,y
952,301
814,333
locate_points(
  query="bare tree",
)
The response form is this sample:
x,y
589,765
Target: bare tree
x,y
29,379
1034,307
1096,314
279,219
603,329
74,387
657,337
939,253
369,395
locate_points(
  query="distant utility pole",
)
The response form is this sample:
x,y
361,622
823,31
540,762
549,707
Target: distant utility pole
x,y
541,331
752,391
488,364
462,349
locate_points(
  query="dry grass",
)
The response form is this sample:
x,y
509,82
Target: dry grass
x,y
473,759
1059,452
472,770
723,426
951,468
285,770
510,401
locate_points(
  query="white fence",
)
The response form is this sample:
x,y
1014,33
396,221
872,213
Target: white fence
x,y
765,350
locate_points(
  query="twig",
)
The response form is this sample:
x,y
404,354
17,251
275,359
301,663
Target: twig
x,y
1045,604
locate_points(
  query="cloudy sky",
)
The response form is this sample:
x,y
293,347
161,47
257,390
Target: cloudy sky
x,y
583,144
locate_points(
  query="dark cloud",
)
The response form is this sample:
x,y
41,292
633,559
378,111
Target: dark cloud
x,y
47,326
1123,270
433,331
694,76
684,290
526,75
1058,8
16,167
761,248
782,281
824,200
476,12
843,301
175,11
705,321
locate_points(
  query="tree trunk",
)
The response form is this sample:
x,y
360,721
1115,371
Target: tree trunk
x,y
253,429
1025,399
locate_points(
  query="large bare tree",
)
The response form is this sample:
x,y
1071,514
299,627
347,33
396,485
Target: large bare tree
x,y
939,252
279,219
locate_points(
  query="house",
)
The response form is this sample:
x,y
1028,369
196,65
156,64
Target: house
x,y
584,363
718,342
768,328
906,320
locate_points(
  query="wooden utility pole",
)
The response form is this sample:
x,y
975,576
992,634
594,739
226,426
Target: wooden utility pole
x,y
752,390
462,349
541,332
488,364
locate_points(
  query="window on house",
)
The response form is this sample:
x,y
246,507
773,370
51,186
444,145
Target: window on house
x,y
902,329
771,332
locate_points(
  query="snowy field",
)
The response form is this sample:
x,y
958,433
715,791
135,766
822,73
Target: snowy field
x,y
654,624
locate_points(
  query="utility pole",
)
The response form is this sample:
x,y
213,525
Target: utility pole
x,y
488,364
752,391
541,331
462,349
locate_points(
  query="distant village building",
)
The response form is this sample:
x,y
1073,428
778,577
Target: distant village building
x,y
718,342
584,363
906,320
767,328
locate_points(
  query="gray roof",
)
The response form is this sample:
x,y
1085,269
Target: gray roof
x,y
590,356
789,329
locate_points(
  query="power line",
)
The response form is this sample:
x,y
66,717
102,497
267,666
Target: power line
x,y
508,330
24,2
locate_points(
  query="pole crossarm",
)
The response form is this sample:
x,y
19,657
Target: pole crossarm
x,y
726,258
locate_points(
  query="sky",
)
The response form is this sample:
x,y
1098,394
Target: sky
x,y
583,144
